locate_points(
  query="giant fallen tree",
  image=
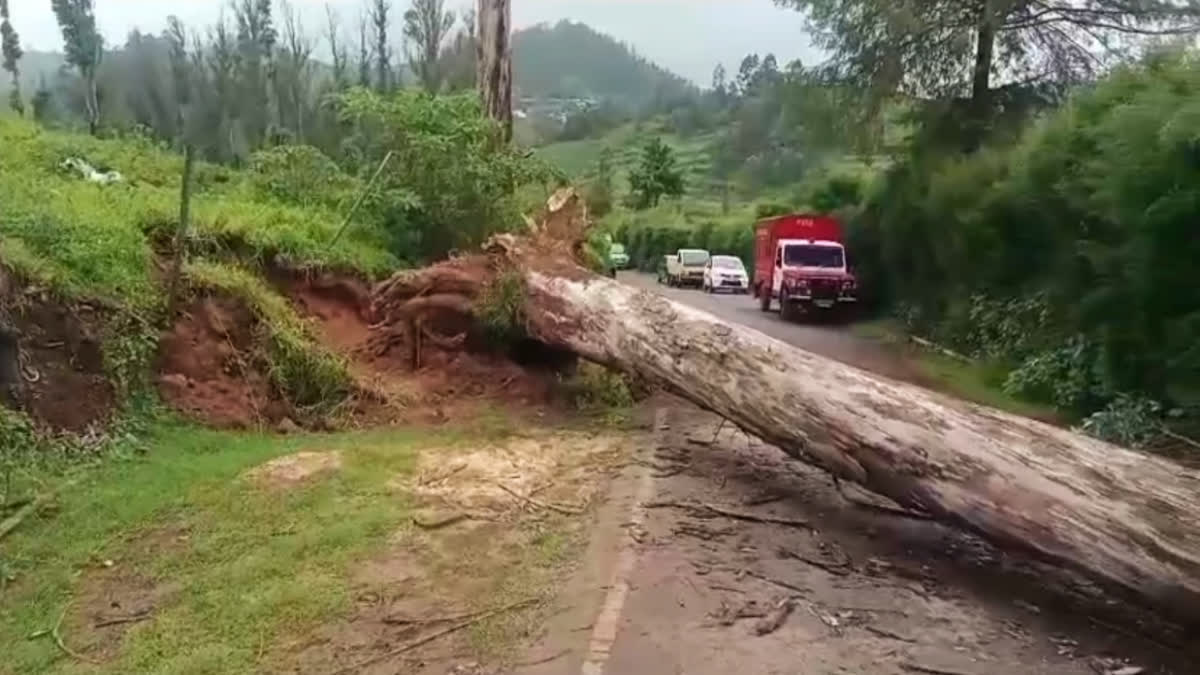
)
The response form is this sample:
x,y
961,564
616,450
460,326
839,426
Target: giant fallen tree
x,y
1128,520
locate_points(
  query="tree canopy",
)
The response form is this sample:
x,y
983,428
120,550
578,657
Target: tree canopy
x,y
955,47
657,176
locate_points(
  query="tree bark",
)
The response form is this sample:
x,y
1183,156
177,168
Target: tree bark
x,y
1128,520
494,62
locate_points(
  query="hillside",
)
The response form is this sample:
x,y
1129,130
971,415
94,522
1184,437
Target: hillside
x,y
570,60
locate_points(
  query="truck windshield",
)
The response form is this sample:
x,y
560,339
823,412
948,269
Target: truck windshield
x,y
693,258
814,256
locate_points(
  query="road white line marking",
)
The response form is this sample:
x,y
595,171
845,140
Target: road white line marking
x,y
604,631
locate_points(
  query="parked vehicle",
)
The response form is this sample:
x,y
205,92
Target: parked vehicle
x,y
663,276
800,260
725,273
686,267
618,256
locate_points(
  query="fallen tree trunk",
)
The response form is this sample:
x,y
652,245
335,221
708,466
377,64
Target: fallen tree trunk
x,y
1129,520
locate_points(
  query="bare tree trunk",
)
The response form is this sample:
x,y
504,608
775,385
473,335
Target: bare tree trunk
x,y
494,62
1129,520
93,104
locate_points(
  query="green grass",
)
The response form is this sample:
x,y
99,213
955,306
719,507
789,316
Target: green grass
x,y
84,240
978,381
253,565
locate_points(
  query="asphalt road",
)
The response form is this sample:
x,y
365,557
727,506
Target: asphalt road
x,y
834,341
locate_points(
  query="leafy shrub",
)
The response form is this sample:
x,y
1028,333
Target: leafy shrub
x,y
1089,214
594,388
302,175
1131,421
1065,376
501,308
459,180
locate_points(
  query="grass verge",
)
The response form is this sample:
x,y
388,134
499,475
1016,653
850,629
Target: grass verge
x,y
976,381
233,567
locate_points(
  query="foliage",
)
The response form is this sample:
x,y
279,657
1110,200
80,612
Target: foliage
x,y
600,190
657,176
1068,252
84,48
449,157
11,53
87,240
1131,421
948,47
501,308
311,378
594,388
1064,376
302,175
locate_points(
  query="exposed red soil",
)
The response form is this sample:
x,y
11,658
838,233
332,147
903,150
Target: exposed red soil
x,y
60,379
208,371
448,383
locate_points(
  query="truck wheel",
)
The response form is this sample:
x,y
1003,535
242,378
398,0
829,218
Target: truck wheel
x,y
787,308
764,299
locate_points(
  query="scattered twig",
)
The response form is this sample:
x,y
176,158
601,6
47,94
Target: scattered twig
x,y
761,500
361,197
538,662
875,610
453,519
408,647
118,620
736,515
886,634
717,433
775,618
16,504
777,582
1179,437
403,621
727,589
944,351
56,635
839,569
565,510
918,668
12,522
437,478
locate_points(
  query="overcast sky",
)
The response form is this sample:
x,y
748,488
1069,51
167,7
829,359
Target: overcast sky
x,y
686,36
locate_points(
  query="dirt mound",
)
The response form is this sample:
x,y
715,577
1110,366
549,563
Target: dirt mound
x,y
296,468
51,364
449,379
208,371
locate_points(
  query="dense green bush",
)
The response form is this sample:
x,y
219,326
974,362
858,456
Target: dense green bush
x,y
1069,252
451,181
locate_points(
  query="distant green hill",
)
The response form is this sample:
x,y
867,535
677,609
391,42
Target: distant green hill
x,y
570,60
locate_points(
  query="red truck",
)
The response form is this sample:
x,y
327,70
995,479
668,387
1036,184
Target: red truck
x,y
800,259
